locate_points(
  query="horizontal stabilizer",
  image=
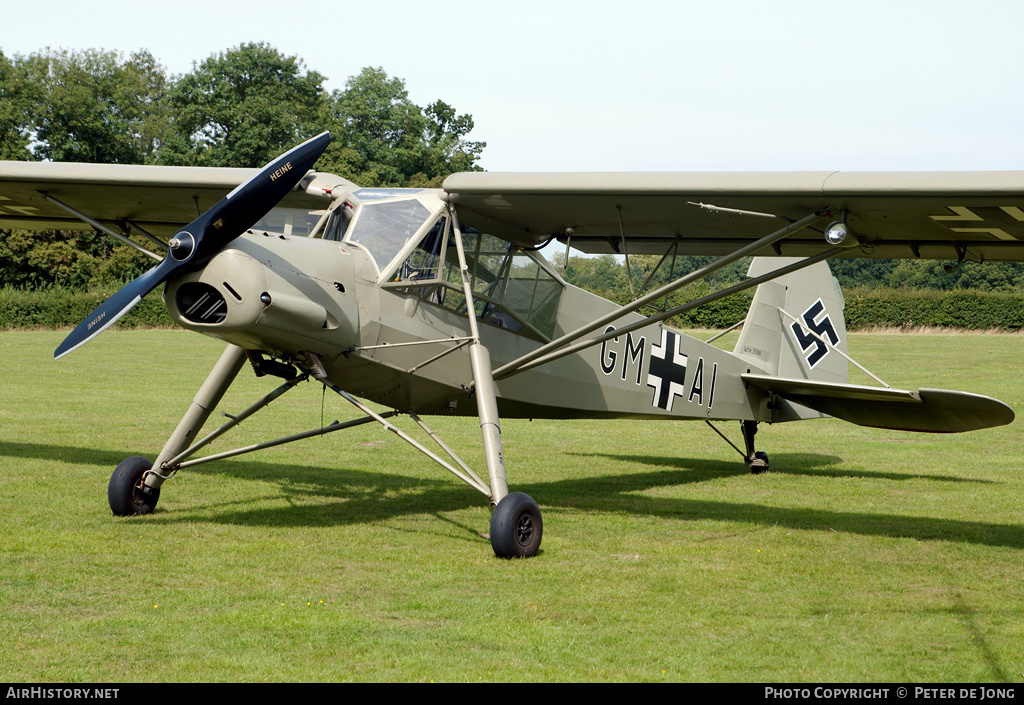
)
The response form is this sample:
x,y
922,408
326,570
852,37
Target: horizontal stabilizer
x,y
928,410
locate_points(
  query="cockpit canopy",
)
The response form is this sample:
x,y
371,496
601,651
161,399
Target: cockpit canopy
x,y
408,234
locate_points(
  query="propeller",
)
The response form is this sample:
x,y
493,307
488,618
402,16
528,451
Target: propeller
x,y
200,240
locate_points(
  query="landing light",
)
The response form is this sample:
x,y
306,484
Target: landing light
x,y
838,234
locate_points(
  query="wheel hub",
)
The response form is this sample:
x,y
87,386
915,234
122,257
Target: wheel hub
x,y
137,497
524,530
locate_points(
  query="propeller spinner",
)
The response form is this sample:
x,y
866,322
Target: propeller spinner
x,y
205,236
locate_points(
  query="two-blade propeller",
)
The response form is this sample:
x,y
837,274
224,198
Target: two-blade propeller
x,y
197,242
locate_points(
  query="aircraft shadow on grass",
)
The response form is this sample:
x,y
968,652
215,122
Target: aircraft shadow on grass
x,y
361,496
805,464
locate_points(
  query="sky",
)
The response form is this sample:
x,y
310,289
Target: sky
x,y
718,85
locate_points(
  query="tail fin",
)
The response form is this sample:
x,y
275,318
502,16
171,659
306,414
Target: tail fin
x,y
807,379
774,343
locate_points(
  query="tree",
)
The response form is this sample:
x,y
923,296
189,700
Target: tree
x,y
14,118
378,131
242,108
92,106
862,272
447,149
382,138
37,260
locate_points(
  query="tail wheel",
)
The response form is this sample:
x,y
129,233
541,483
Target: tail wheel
x,y
127,493
516,527
760,463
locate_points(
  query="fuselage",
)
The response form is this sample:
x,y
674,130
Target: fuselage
x,y
377,294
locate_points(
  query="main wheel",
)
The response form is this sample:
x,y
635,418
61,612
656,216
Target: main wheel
x,y
516,527
126,491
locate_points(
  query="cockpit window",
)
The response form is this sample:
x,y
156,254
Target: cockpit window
x,y
289,221
422,264
338,223
383,228
510,287
531,293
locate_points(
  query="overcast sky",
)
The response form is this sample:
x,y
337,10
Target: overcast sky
x,y
633,86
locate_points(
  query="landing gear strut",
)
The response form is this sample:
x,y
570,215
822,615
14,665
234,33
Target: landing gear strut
x,y
516,526
756,460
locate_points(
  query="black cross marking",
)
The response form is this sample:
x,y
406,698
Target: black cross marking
x,y
667,371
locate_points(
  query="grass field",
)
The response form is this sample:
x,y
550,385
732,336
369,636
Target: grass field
x,y
861,556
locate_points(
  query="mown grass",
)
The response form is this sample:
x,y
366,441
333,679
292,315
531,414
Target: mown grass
x,y
861,556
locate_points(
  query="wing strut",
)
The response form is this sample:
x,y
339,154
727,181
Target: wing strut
x,y
146,234
674,250
100,226
556,348
696,303
625,250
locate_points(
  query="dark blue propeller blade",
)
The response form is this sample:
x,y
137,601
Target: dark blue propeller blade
x,y
197,242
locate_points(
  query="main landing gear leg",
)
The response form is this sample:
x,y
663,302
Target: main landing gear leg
x,y
134,487
757,460
516,525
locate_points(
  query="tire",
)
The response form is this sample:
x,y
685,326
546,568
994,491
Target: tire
x,y
758,469
516,527
124,491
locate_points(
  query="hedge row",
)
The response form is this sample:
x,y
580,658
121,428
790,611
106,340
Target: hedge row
x,y
717,314
959,308
973,310
63,308
890,308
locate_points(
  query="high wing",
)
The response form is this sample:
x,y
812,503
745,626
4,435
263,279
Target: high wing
x,y
932,215
159,199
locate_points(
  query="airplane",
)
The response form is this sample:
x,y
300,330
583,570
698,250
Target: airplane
x,y
438,301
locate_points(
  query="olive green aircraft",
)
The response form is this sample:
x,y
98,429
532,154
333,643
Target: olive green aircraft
x,y
438,301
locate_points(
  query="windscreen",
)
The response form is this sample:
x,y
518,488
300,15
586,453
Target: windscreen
x,y
383,228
